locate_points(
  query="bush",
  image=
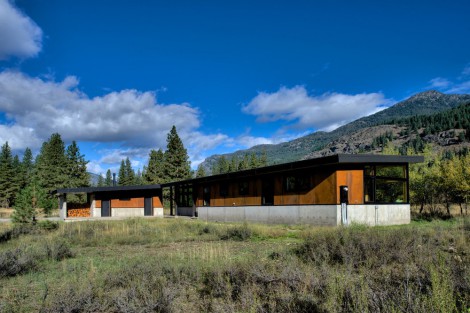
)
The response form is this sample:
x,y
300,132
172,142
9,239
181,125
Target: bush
x,y
16,262
48,225
58,250
239,233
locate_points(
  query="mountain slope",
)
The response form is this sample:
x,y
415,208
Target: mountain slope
x,y
424,103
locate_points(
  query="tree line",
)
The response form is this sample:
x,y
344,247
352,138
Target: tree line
x,y
27,184
163,166
223,165
455,118
441,180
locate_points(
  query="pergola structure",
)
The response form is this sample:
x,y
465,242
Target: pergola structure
x,y
115,201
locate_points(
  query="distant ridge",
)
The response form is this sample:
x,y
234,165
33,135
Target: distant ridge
x,y
423,103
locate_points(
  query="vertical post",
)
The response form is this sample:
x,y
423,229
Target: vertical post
x,y
344,199
62,206
92,205
171,200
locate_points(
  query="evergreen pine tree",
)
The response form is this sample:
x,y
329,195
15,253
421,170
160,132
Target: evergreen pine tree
x,y
51,169
244,163
122,179
138,178
76,167
28,201
233,166
130,174
263,161
253,161
7,186
201,172
109,178
154,173
100,182
222,165
177,164
27,167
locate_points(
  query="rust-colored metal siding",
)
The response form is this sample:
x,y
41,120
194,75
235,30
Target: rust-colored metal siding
x,y
157,203
354,179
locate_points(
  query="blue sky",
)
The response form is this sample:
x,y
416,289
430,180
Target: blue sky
x,y
116,75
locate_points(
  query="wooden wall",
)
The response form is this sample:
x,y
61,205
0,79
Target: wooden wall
x,y
131,203
324,189
354,179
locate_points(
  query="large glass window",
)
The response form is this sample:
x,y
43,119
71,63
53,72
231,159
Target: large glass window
x,y
185,195
243,188
297,183
385,184
206,197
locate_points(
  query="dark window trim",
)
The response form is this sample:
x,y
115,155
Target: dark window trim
x,y
374,179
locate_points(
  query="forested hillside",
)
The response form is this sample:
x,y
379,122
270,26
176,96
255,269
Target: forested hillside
x,y
424,103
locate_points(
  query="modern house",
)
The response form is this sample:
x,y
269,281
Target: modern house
x,y
332,190
116,201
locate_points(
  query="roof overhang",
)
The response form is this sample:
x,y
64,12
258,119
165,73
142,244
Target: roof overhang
x,y
331,160
106,189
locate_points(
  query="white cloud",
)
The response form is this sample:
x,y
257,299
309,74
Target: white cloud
x,y
460,85
133,121
303,111
439,82
19,35
129,116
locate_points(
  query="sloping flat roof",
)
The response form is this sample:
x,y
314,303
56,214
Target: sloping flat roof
x,y
105,189
309,163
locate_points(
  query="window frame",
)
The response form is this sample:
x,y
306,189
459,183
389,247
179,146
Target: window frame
x,y
371,180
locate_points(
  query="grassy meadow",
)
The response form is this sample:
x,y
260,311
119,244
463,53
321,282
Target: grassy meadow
x,y
182,265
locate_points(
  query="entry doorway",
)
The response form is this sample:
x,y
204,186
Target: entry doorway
x,y
267,192
105,207
148,206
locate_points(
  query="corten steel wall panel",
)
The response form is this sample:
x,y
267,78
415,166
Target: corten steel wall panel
x,y
290,198
200,193
252,197
324,191
157,203
131,203
278,190
308,197
216,199
354,179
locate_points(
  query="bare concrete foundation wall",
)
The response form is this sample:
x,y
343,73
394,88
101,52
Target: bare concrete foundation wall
x,y
321,215
127,212
380,214
324,215
186,211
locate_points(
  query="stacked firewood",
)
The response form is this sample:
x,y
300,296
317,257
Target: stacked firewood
x,y
81,212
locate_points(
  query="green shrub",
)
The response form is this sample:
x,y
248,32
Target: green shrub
x,y
16,262
238,233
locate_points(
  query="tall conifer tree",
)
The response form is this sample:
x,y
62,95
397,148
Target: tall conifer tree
x,y
122,179
100,182
76,167
7,185
154,172
27,166
51,168
177,164
109,178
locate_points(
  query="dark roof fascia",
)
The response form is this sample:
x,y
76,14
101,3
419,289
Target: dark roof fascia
x,y
309,163
105,189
